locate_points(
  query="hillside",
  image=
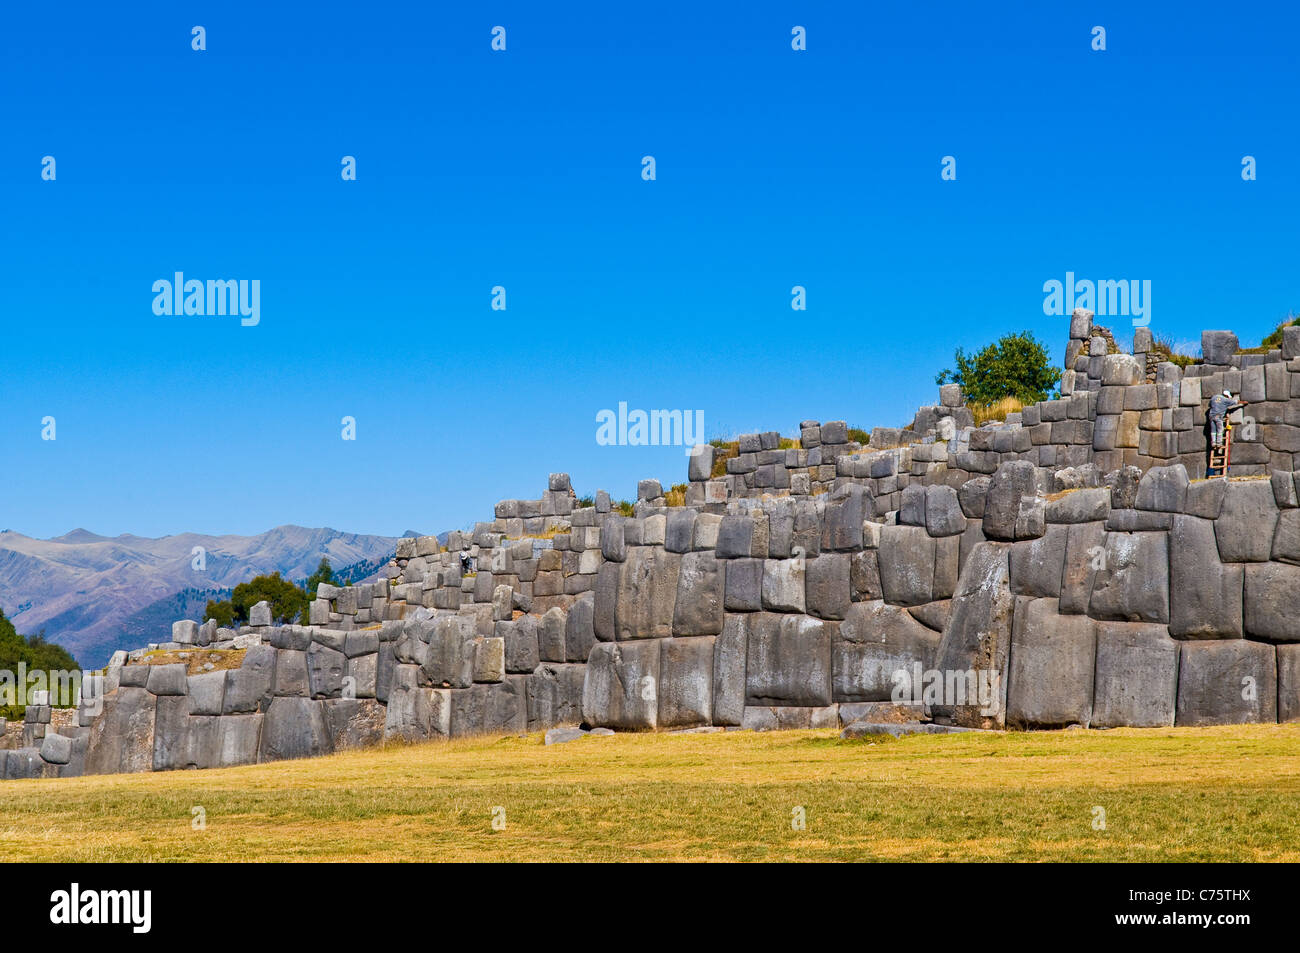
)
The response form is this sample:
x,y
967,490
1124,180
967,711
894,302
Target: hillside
x,y
80,588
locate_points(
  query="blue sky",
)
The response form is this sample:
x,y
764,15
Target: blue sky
x,y
476,168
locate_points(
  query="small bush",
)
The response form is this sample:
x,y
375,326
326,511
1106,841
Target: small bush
x,y
625,508
676,496
859,435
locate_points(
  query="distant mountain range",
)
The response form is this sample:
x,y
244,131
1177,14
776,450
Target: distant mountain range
x,y
95,594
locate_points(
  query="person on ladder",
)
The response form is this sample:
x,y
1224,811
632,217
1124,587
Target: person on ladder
x,y
1221,405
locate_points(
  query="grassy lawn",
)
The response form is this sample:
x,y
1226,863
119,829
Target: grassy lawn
x,y
1197,794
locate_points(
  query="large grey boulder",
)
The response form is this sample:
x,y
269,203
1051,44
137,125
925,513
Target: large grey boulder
x,y
238,740
290,674
730,652
185,632
1218,347
56,748
605,604
784,588
294,727
1163,489
449,662
1272,602
846,508
1288,682
788,661
325,671
354,722
550,635
554,696
826,585
1037,564
1051,667
621,685
580,628
685,682
1014,486
679,529
121,739
495,709
167,679
1206,595
647,594
978,637
522,652
248,687
416,713
907,558
943,512
207,693
735,536
1133,583
877,652
260,614
1227,682
1136,676
1246,523
700,588
744,585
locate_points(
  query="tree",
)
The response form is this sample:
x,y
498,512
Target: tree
x,y
324,573
222,612
287,601
37,654
1016,366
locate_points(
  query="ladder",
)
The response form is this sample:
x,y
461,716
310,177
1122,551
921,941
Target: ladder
x,y
1221,457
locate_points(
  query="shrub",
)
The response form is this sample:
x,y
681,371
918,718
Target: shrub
x,y
1016,365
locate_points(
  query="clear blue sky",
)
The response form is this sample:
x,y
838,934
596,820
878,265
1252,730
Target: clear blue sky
x,y
522,169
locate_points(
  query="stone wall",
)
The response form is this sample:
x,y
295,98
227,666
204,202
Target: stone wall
x,y
1067,567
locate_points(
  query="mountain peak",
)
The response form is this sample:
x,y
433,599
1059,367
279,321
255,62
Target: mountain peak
x,y
79,535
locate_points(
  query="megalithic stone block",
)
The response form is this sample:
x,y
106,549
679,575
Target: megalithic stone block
x,y
621,688
1206,595
686,682
1136,681
1132,583
730,651
294,727
1288,682
1272,598
907,559
554,695
876,642
1051,667
788,661
1226,682
700,588
579,628
647,593
978,637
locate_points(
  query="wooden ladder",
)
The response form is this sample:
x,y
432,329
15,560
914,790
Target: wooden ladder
x,y
1221,457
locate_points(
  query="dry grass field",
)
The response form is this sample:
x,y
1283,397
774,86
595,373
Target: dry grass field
x,y
1200,794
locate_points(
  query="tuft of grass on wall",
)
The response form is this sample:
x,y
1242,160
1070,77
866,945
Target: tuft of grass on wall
x,y
996,411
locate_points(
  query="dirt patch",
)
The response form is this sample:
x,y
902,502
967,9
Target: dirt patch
x,y
196,661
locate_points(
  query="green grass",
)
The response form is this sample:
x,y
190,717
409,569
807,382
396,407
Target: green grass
x,y
1199,794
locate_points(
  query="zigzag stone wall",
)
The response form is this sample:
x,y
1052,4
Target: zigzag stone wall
x,y
1071,563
